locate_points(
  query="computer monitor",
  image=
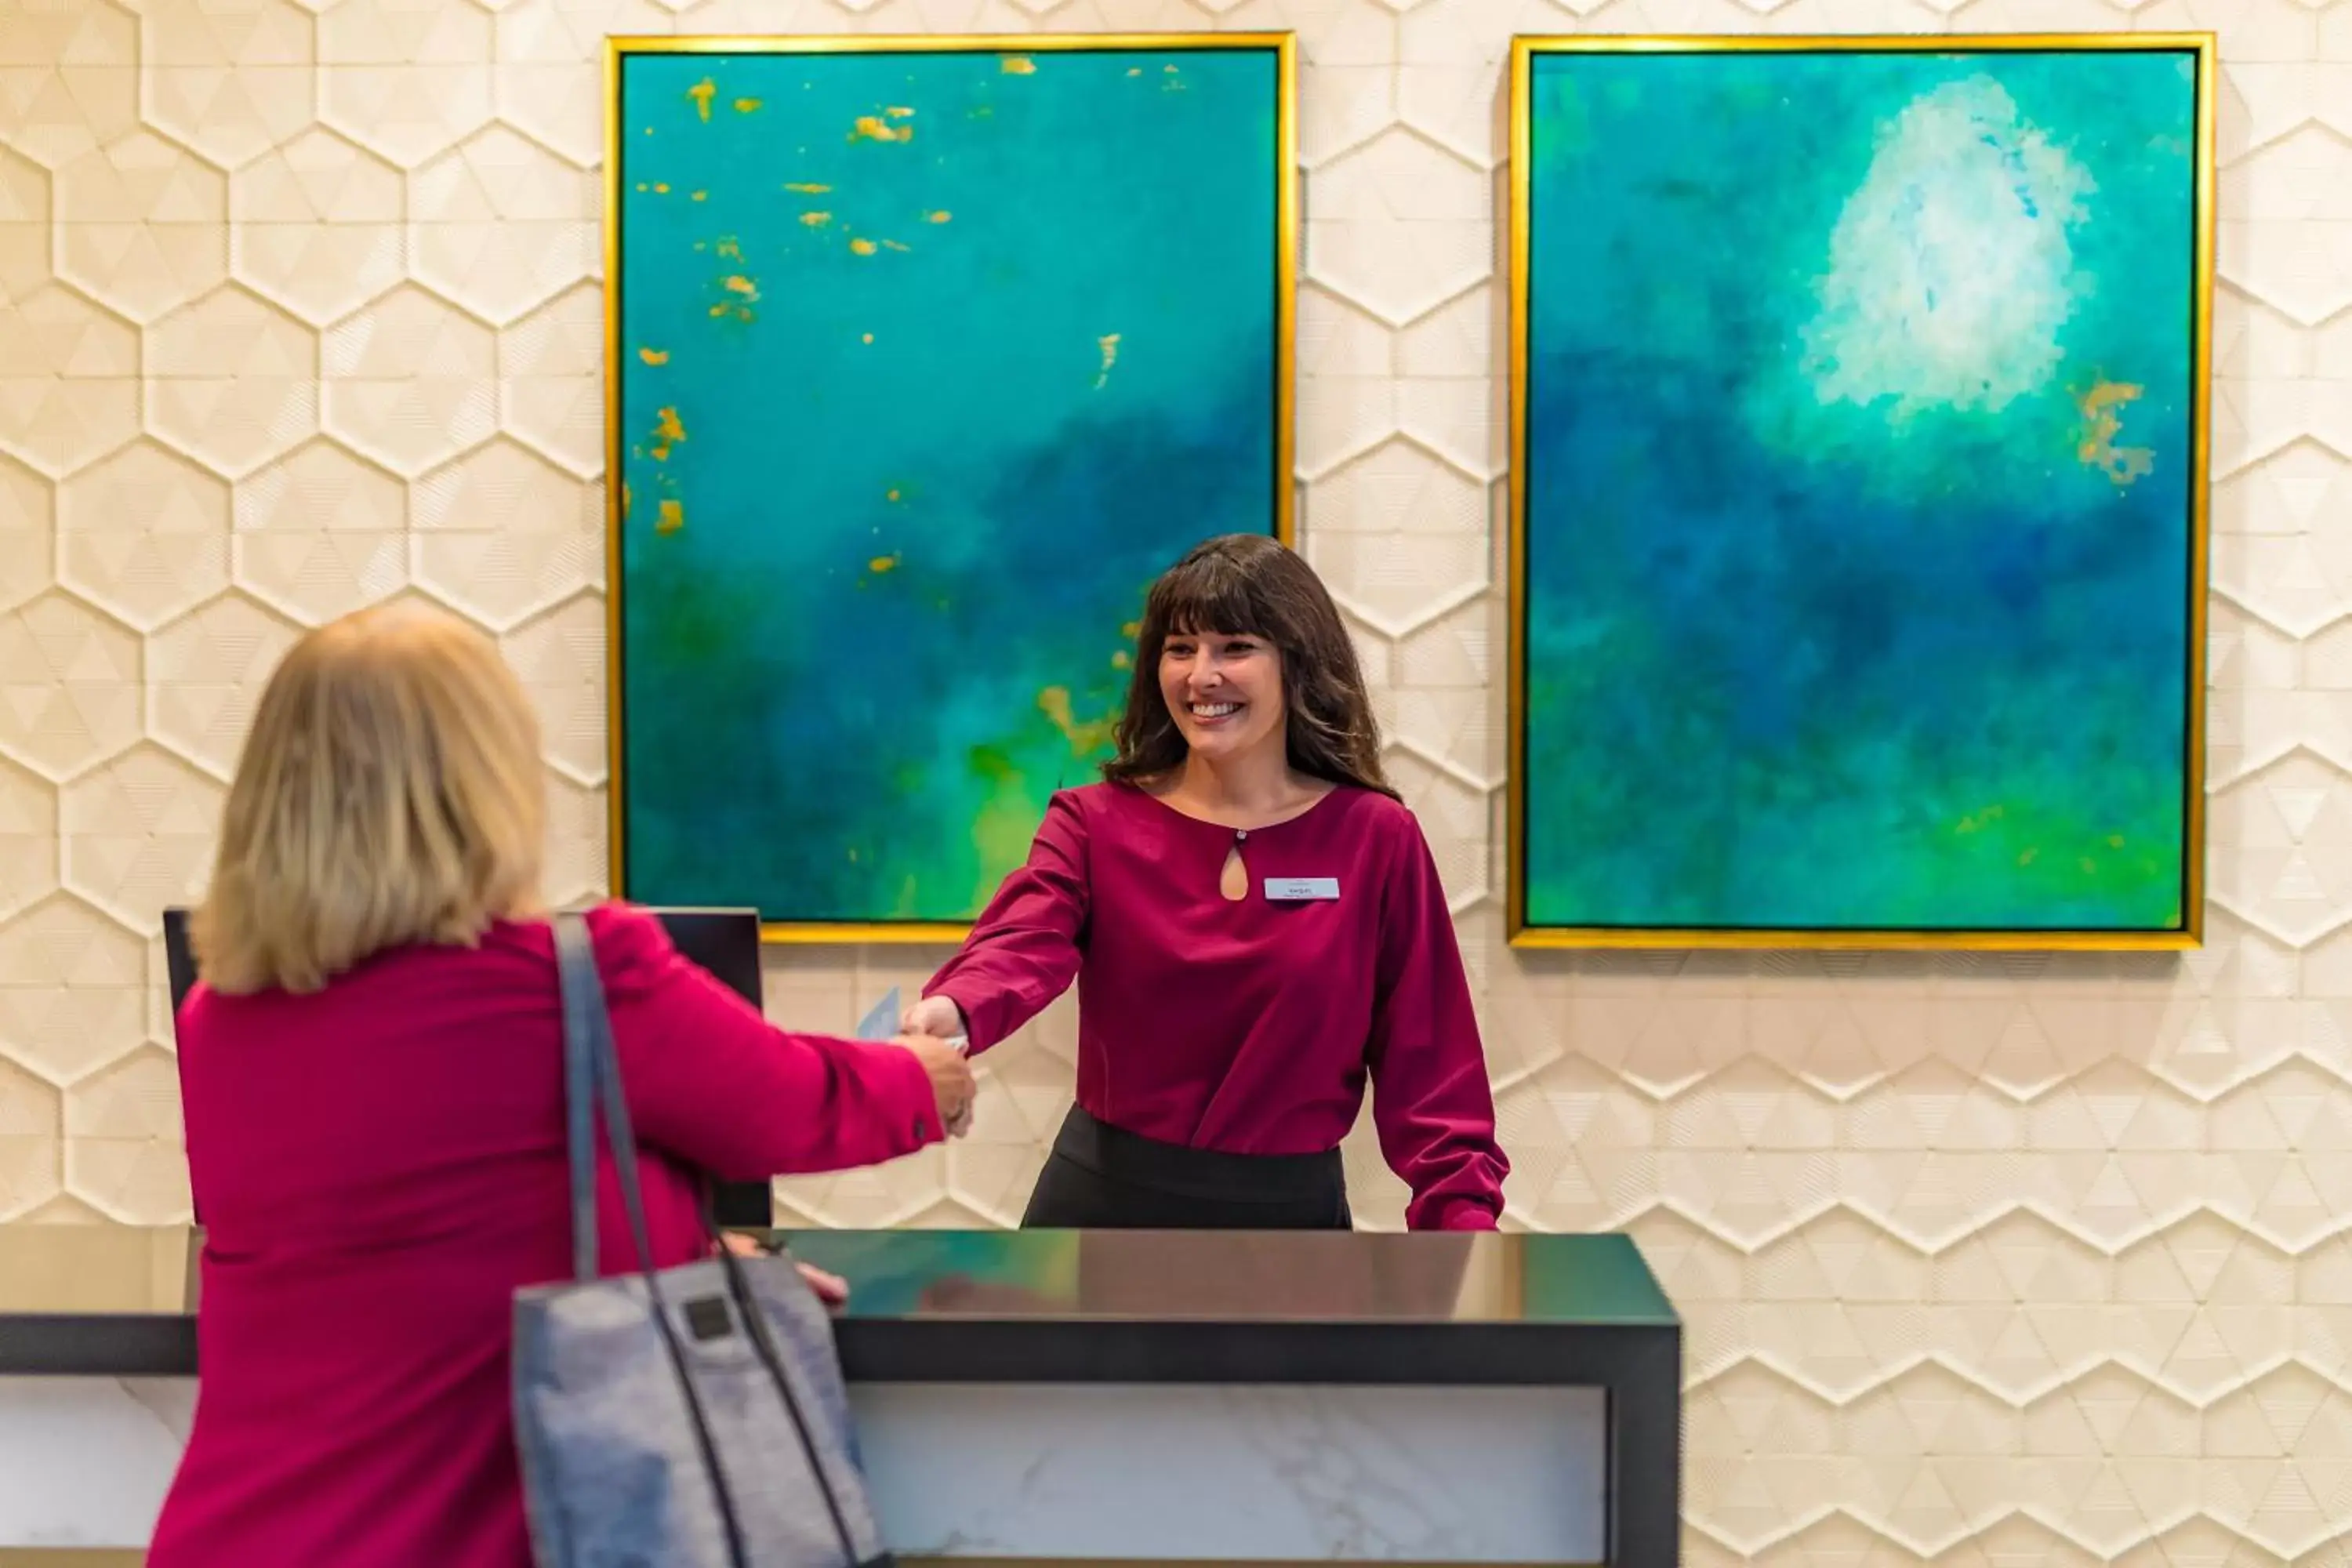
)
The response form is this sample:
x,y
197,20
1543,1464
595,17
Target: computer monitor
x,y
724,941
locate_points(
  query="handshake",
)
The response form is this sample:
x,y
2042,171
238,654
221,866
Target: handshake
x,y
933,1030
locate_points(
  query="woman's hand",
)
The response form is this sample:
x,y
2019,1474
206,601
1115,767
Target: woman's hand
x,y
952,1085
830,1288
937,1016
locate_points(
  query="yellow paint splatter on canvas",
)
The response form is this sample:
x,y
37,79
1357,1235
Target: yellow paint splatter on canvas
x,y
668,431
1017,65
1085,736
2103,421
654,356
672,517
701,93
863,247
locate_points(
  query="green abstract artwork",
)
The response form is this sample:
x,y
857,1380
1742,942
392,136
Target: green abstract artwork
x,y
1861,530
926,361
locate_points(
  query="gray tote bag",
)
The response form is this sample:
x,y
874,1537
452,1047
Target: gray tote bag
x,y
686,1417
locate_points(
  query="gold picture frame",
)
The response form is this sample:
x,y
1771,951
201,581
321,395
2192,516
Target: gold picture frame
x,y
1521,930
618,51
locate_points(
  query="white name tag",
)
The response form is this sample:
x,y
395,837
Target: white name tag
x,y
1295,889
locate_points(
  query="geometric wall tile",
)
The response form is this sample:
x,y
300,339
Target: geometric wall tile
x,y
550,77
411,382
576,871
144,533
28,533
500,225
28,839
72,989
1397,581
1453,819
316,226
68,78
1456,340
2282,847
220,655
1336,338
137,1097
1443,674
138,833
1453,417
558,656
1351,105
142,225
1340,417
405,79
231,81
2303,270
234,381
2291,493
551,380
1401,488
320,533
1398,227
69,686
2296,581
132,1181
501,533
24,224
1456,106
31,1140
68,378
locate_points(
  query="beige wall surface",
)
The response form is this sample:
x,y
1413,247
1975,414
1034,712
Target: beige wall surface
x,y
2005,1259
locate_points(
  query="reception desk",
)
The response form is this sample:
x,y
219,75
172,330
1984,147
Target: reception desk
x,y
1052,1396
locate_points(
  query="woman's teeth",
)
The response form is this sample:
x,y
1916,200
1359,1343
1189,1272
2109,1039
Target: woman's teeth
x,y
1213,710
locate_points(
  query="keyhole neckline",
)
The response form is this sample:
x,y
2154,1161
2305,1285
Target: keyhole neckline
x,y
1228,829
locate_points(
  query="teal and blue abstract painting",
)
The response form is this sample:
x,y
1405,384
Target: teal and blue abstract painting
x,y
1860,527
928,359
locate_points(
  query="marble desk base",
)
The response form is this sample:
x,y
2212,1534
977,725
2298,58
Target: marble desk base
x,y
1040,1473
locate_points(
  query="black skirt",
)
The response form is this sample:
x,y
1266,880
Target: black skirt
x,y
1103,1178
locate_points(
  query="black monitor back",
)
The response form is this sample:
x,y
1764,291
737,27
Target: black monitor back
x,y
724,941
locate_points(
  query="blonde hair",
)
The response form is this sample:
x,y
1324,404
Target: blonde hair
x,y
390,792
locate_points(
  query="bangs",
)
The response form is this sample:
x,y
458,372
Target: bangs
x,y
1207,596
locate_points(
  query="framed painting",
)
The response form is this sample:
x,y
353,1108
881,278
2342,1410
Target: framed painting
x,y
1859,414
926,355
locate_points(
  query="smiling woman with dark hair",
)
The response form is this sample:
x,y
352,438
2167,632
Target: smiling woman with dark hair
x,y
1256,928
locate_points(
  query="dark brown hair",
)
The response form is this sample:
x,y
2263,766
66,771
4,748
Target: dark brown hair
x,y
1250,585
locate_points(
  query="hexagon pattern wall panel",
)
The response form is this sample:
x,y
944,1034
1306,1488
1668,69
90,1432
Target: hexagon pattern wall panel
x,y
1990,1260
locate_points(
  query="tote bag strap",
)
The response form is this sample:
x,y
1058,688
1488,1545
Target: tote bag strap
x,y
591,1072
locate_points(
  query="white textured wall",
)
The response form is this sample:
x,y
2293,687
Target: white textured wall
x,y
1986,1260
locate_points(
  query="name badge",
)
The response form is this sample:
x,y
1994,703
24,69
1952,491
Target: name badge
x,y
1300,889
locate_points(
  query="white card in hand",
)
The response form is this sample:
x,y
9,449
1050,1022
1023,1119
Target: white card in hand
x,y
882,1022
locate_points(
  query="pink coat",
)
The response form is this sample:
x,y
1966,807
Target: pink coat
x,y
379,1165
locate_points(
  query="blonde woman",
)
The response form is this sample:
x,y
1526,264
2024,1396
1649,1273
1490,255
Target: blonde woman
x,y
371,1068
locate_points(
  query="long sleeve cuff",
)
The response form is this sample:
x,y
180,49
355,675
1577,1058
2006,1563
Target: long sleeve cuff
x,y
1453,1213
